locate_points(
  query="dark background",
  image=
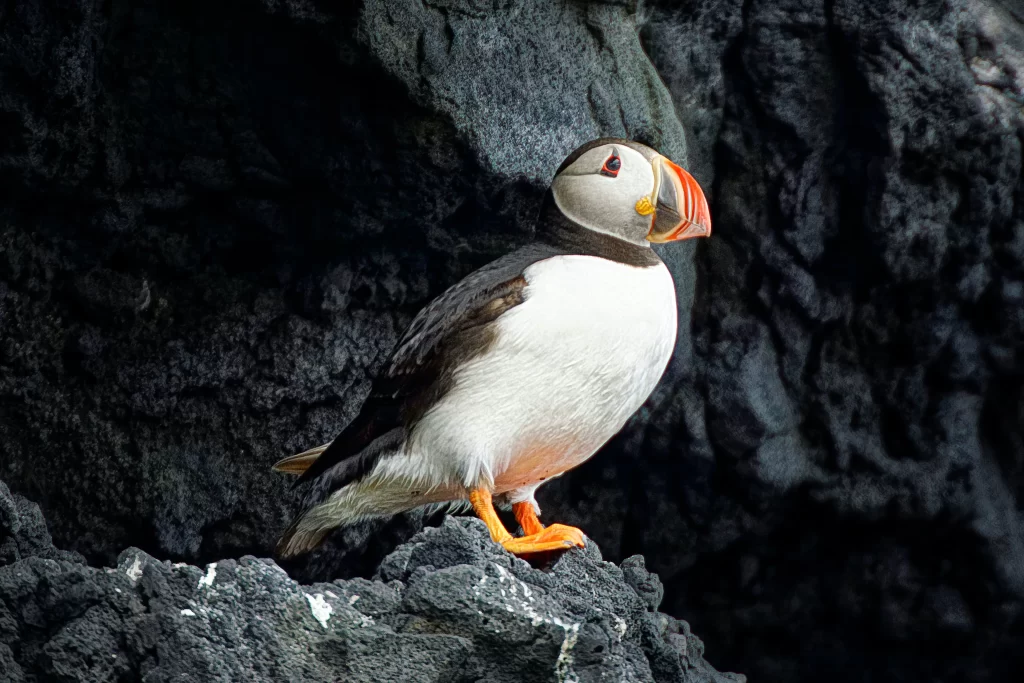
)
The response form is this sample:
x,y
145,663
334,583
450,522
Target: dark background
x,y
216,218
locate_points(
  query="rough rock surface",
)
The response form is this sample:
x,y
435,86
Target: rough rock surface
x,y
850,474
448,606
216,217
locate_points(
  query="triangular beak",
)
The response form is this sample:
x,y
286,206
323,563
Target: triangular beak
x,y
681,210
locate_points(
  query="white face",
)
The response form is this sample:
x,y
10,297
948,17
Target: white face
x,y
603,198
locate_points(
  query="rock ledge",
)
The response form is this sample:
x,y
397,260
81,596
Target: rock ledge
x,y
447,606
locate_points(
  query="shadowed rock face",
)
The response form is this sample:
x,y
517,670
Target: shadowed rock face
x,y
217,218
450,605
857,340
851,421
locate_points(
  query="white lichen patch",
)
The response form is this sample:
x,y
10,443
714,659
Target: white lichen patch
x,y
518,599
514,603
211,574
563,665
134,572
320,608
620,625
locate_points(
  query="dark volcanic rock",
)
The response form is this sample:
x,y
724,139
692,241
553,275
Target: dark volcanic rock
x,y
448,606
23,532
846,471
215,218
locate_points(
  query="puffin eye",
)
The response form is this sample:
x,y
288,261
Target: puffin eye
x,y
611,166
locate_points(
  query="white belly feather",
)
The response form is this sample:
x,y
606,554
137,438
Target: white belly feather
x,y
569,366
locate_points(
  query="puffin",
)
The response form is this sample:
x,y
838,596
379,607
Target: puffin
x,y
523,369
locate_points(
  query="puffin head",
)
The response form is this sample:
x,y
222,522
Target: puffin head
x,y
625,189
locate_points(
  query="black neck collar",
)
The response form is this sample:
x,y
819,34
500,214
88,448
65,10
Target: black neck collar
x,y
555,228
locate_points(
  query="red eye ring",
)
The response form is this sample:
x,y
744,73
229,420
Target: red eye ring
x,y
611,166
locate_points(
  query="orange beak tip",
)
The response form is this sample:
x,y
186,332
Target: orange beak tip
x,y
686,200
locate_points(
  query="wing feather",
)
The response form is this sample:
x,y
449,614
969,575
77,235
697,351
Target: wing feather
x,y
300,462
451,329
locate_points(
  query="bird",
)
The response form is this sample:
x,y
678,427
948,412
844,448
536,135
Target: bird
x,y
522,370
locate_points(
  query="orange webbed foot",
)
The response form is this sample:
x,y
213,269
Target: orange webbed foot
x,y
538,538
554,537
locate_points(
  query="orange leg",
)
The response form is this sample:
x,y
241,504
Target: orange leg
x,y
527,518
554,537
484,509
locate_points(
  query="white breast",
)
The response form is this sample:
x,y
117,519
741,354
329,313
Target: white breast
x,y
568,368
